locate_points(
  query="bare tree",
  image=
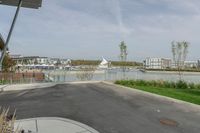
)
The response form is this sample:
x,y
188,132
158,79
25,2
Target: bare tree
x,y
179,52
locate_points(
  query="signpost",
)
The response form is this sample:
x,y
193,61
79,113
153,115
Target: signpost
x,y
35,4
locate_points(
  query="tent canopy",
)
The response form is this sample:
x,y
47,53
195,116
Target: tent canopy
x,y
25,3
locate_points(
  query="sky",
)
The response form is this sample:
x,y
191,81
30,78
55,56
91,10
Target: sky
x,y
92,29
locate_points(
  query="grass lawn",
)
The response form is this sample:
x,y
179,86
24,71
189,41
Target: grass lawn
x,y
188,95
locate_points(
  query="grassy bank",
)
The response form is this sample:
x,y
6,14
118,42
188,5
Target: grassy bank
x,y
178,90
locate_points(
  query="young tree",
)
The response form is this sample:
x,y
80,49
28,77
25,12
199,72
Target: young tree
x,y
123,56
185,50
174,52
179,52
123,51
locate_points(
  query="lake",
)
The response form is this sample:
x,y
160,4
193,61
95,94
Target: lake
x,y
117,74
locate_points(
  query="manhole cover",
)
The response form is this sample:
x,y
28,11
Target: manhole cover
x,y
168,122
58,94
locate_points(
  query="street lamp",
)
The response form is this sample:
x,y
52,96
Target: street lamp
x,y
35,4
2,42
25,3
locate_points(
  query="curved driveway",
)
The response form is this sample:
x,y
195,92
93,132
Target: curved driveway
x,y
106,108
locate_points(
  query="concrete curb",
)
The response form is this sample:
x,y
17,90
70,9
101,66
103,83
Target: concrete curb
x,y
155,95
19,87
69,123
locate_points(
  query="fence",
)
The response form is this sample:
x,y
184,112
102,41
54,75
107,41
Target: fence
x,y
22,77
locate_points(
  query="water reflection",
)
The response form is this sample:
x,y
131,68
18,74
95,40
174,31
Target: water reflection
x,y
85,73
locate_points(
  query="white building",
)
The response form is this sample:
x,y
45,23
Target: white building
x,y
186,64
42,60
54,61
157,63
191,64
29,60
32,62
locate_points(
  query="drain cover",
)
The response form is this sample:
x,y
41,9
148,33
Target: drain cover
x,y
57,94
168,122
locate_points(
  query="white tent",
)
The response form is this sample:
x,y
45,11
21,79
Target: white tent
x,y
104,63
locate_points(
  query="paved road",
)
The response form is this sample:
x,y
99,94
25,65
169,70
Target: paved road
x,y
106,108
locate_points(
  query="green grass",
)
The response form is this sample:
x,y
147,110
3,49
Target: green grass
x,y
188,95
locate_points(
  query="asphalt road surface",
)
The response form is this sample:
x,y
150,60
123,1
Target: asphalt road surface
x,y
106,108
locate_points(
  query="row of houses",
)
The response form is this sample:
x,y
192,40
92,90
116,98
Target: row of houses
x,y
39,62
32,62
165,63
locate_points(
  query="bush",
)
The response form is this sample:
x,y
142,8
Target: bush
x,y
2,82
159,83
154,83
181,85
141,82
172,84
197,86
167,84
191,86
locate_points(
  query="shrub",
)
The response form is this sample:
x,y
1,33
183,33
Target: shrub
x,y
159,83
2,82
167,84
181,85
172,85
191,86
141,82
149,83
154,83
197,86
7,122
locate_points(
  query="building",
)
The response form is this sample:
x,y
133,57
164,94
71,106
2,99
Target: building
x,y
30,60
36,62
157,63
191,64
186,64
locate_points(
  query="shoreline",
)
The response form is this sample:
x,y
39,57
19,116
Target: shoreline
x,y
173,72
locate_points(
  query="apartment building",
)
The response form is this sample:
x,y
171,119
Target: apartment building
x,y
191,64
157,63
